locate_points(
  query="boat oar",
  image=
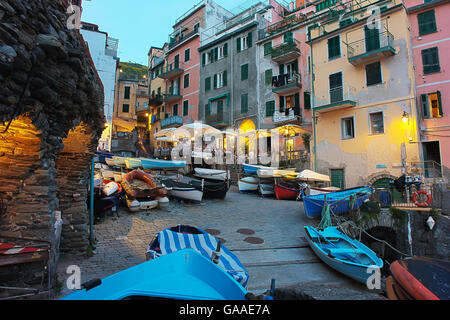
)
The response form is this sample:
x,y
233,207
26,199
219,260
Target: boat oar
x,y
216,254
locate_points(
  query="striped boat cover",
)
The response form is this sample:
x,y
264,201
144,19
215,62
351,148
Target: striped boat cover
x,y
170,241
9,249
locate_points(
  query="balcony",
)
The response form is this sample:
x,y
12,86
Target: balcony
x,y
174,121
171,71
286,83
172,96
335,99
291,115
217,120
367,50
182,38
156,100
285,52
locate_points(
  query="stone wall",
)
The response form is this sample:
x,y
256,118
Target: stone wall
x,y
50,96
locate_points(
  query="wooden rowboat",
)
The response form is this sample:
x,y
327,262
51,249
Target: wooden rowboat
x,y
183,191
248,184
152,189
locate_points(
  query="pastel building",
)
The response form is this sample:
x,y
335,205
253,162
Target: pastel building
x,y
182,66
430,30
365,119
103,50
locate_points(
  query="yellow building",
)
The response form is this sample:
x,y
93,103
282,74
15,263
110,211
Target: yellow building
x,y
364,109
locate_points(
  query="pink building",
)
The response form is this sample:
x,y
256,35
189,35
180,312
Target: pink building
x,y
430,32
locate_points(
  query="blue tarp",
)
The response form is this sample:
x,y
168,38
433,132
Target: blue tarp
x,y
170,241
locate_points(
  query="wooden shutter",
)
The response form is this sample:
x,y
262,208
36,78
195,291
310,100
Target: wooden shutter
x,y
216,54
372,38
268,77
440,103
225,49
268,48
337,178
288,37
185,108
427,22
244,72
220,107
175,110
238,44
203,59
208,84
281,104
270,108
215,81
307,99
281,69
297,104
207,110
244,103
425,107
249,39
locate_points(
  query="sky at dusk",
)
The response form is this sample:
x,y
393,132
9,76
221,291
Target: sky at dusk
x,y
140,24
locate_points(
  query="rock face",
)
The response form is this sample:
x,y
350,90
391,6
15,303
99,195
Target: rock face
x,y
51,118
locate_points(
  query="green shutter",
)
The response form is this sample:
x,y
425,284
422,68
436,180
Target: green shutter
x,y
186,81
337,178
270,108
250,35
208,84
244,103
334,47
216,54
225,49
297,104
220,107
175,110
268,77
203,59
281,69
215,81
207,110
440,103
307,98
430,60
288,37
185,108
238,44
268,48
281,104
425,107
244,72
211,54
225,80
427,22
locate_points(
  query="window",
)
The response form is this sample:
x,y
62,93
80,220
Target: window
x,y
175,110
376,123
373,73
176,63
430,60
337,178
268,48
427,22
196,26
127,93
185,108
307,98
220,80
244,42
187,55
186,81
207,110
372,37
270,108
334,47
268,77
219,106
348,128
222,51
336,89
208,84
244,103
288,37
325,4
244,72
125,108
431,105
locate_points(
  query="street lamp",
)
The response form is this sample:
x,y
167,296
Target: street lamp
x,y
405,117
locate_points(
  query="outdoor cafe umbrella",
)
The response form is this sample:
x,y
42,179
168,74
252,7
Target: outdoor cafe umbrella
x,y
195,129
165,133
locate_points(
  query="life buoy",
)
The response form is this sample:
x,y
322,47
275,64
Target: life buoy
x,y
421,204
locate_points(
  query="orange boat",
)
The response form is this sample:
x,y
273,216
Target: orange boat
x,y
152,189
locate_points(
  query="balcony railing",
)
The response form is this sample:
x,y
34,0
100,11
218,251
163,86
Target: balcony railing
x,y
217,119
286,83
172,121
337,98
429,168
182,38
156,100
286,51
372,48
171,70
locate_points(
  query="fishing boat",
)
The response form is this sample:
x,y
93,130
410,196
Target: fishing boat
x,y
181,237
253,168
153,164
266,188
110,162
419,278
316,191
107,174
102,156
343,253
118,176
339,201
138,184
276,173
248,184
132,163
219,175
183,275
210,189
286,190
119,161
183,191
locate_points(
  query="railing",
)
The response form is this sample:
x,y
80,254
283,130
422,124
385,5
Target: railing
x,y
175,120
385,39
156,100
142,108
285,48
428,168
182,38
286,79
216,118
189,12
335,95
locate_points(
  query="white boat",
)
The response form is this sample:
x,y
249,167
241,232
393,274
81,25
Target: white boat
x,y
219,175
248,184
315,191
163,201
134,205
277,173
309,176
118,176
119,161
110,162
107,174
183,191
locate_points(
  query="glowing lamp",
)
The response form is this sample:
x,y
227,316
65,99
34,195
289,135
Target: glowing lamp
x,y
405,117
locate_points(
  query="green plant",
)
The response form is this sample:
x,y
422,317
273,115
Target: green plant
x,y
90,251
398,215
434,213
306,141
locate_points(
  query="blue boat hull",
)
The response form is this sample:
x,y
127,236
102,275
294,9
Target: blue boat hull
x,y
342,253
314,204
162,164
183,275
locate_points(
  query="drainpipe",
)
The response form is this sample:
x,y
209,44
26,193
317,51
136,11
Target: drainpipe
x,y
91,215
314,111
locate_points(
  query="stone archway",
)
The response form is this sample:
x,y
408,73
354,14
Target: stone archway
x,y
73,176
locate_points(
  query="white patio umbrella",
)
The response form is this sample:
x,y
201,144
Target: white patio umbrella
x,y
167,139
195,129
165,133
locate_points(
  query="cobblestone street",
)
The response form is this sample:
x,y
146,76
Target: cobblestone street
x,y
266,235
